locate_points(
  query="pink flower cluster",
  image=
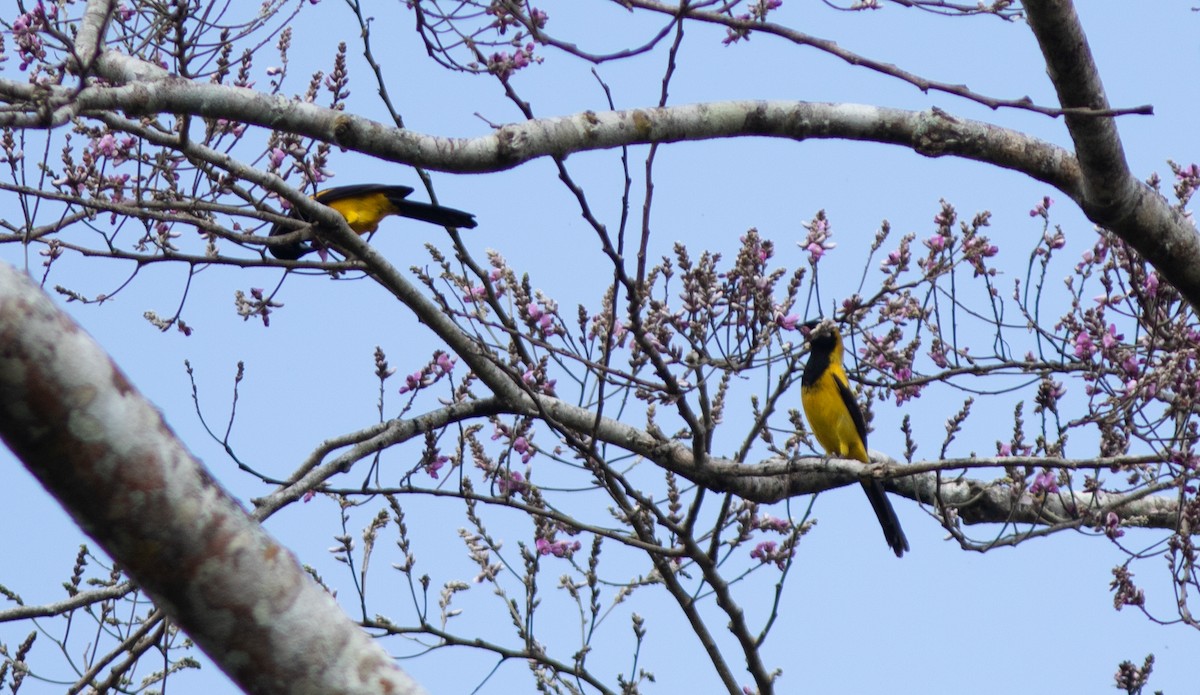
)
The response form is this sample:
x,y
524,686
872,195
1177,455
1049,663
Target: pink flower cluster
x,y
520,443
817,242
504,64
1045,482
557,548
542,316
441,365
1042,209
769,551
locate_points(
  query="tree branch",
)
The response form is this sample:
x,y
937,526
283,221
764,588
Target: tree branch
x,y
79,600
107,455
932,133
1109,194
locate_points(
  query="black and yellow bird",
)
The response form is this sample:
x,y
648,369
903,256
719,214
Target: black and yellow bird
x,y
837,421
364,206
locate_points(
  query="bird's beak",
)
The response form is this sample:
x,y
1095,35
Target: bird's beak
x,y
807,327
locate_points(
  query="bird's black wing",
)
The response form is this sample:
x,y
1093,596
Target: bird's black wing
x,y
332,195
876,495
856,414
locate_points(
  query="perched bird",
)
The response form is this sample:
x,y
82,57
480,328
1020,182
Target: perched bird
x,y
836,420
364,206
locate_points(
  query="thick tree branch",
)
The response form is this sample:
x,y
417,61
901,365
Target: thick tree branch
x,y
1109,194
932,133
109,458
977,502
89,42
1108,185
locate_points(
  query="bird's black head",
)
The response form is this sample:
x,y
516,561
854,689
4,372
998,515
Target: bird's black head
x,y
294,251
822,334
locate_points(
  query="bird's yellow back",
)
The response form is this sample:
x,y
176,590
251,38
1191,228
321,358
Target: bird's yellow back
x,y
364,212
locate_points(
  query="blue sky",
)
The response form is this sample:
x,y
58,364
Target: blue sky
x,y
1035,619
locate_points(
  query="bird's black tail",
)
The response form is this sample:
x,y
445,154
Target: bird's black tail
x,y
435,214
886,515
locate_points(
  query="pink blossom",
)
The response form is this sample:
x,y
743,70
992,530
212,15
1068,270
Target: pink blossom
x,y
106,145
619,332
766,522
1055,242
1151,284
733,35
412,382
787,323
522,446
434,464
817,242
512,482
556,548
1083,346
531,379
1042,207
1044,482
763,551
1111,337
938,354
1112,526
815,250
769,551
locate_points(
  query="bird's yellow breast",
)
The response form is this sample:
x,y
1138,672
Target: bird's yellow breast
x,y
829,419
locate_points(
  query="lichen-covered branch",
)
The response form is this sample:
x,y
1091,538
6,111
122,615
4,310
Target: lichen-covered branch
x,y
106,454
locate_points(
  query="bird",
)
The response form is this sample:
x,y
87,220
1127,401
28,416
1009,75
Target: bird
x,y
364,205
837,421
